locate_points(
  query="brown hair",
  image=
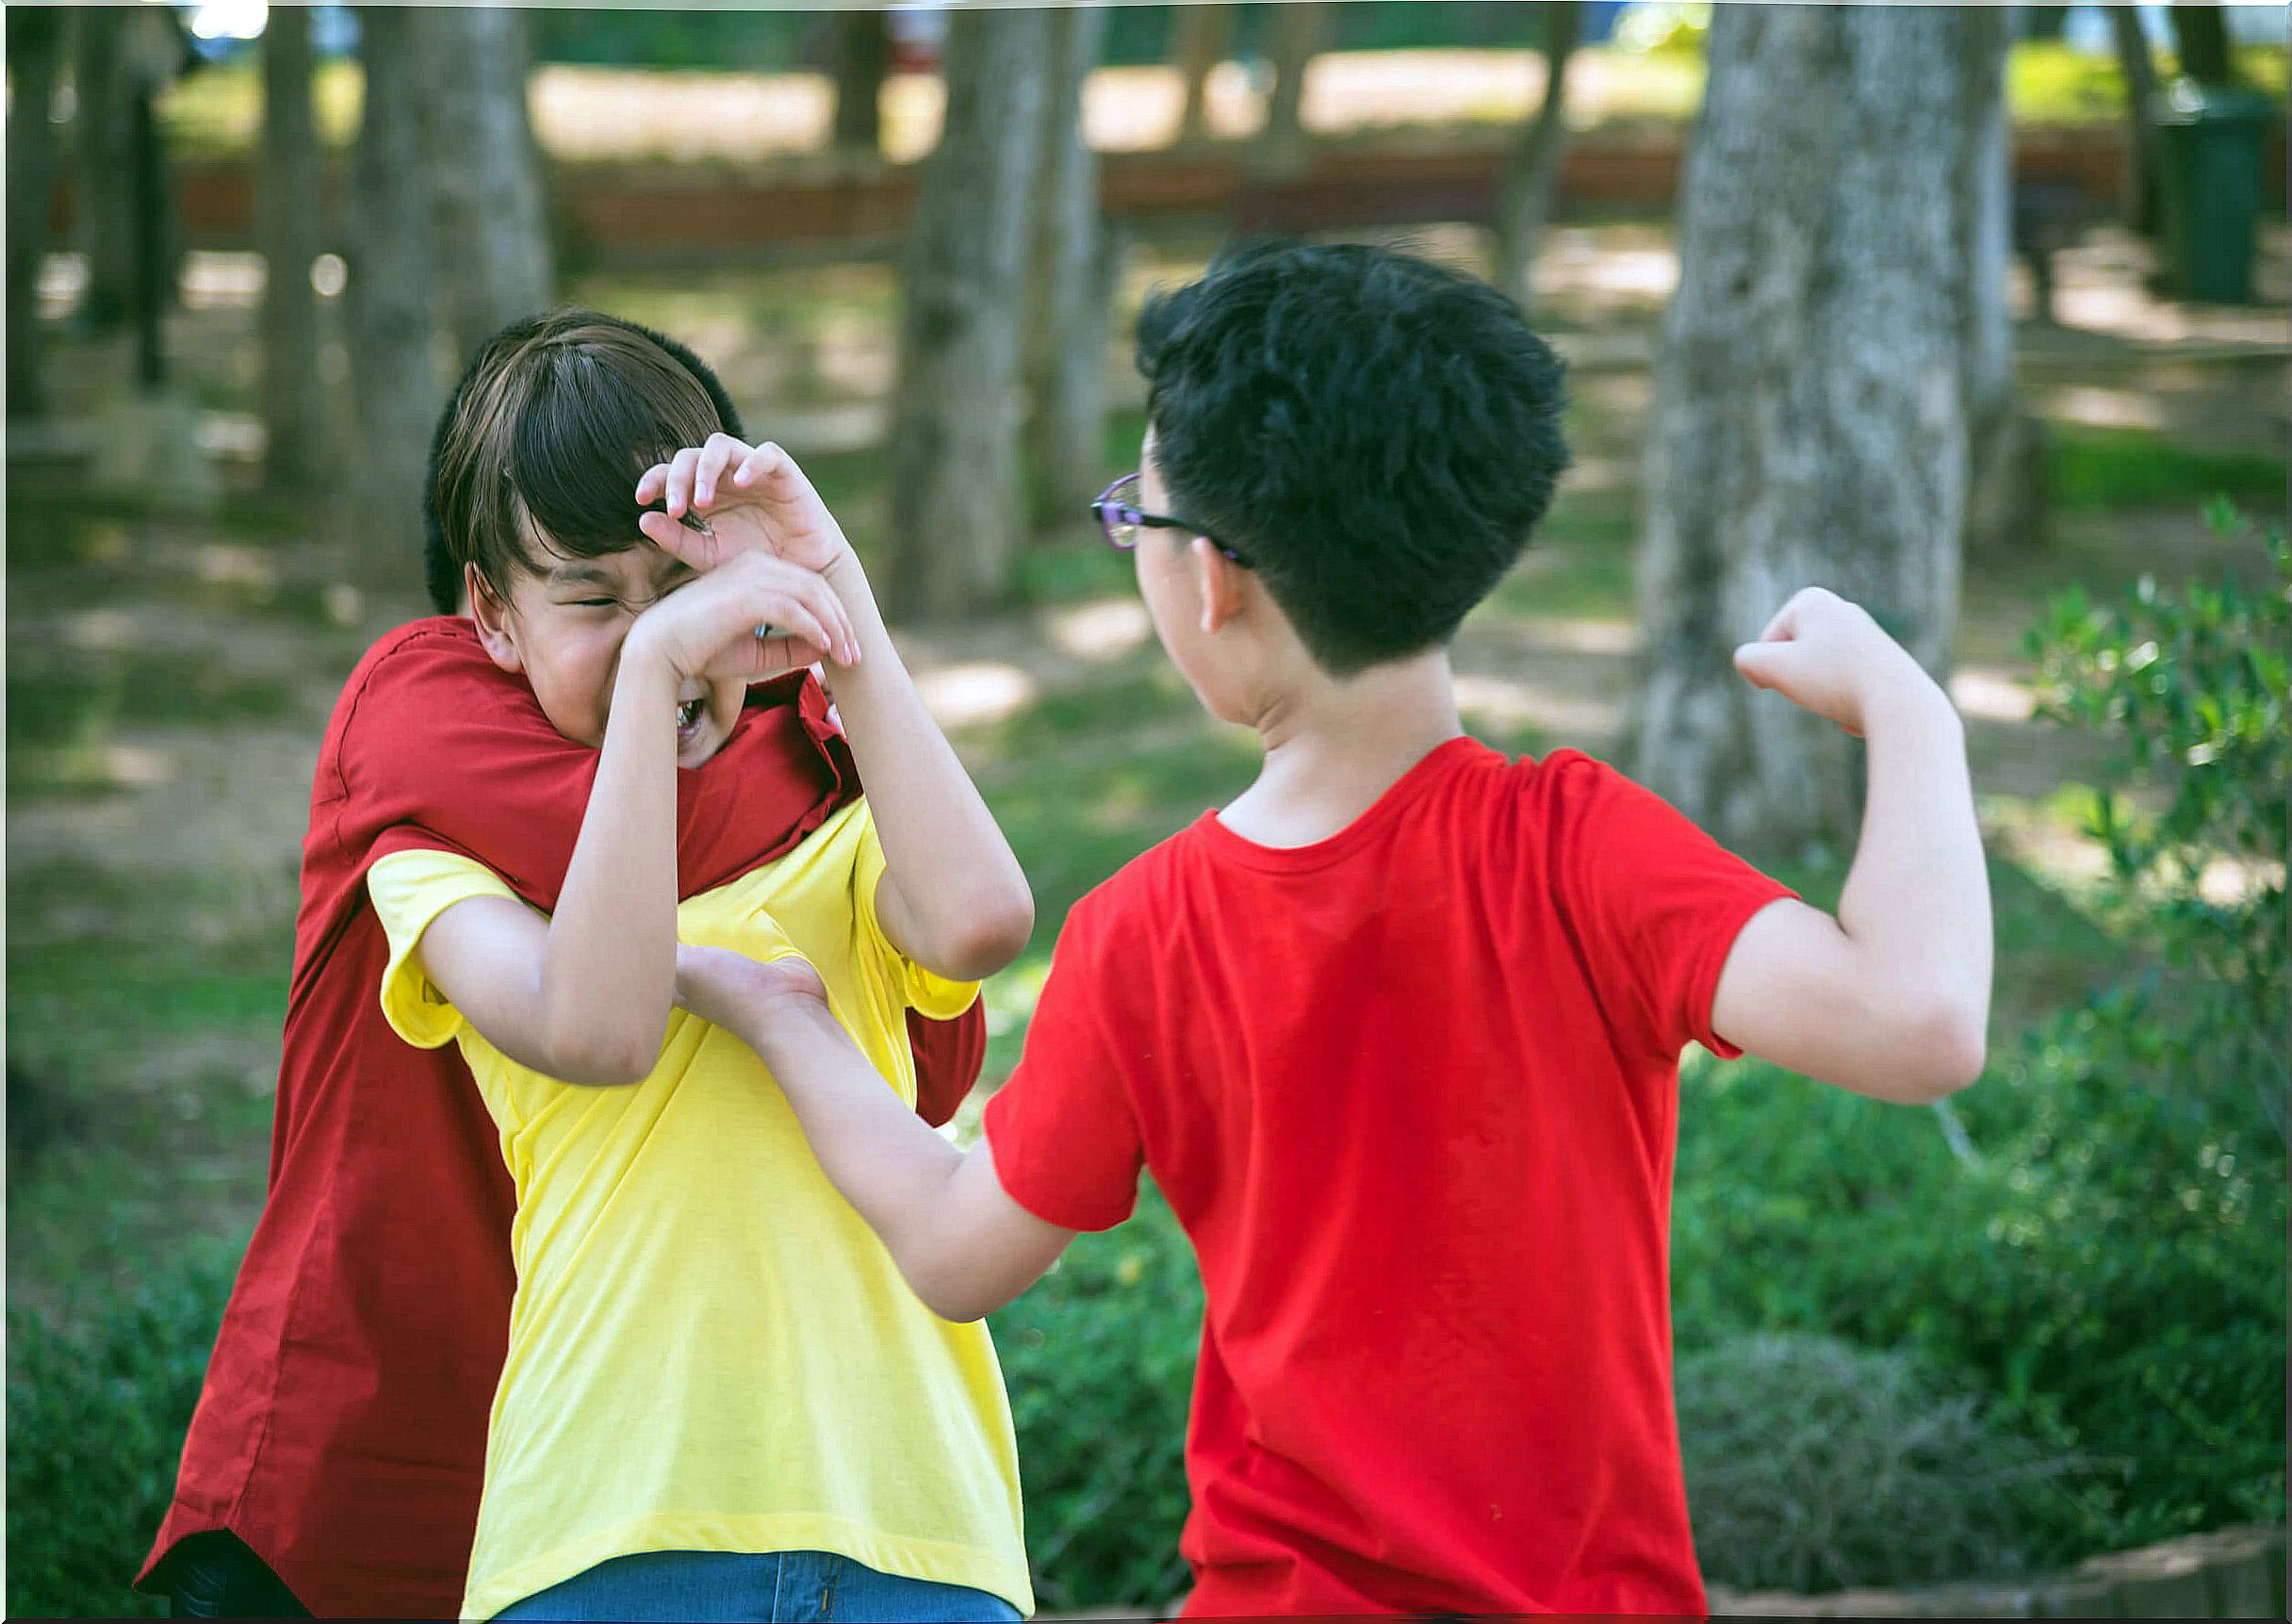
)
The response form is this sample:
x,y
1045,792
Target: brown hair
x,y
546,436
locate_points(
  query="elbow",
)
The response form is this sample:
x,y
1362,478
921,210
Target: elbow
x,y
1943,1052
608,1058
990,939
960,1306
957,1309
951,1290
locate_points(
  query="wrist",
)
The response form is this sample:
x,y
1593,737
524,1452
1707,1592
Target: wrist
x,y
783,1019
847,577
645,661
1905,700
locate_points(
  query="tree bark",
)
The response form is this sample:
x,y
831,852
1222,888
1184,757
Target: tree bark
x,y
1813,387
956,511
102,127
2200,37
862,61
1067,339
1524,199
289,202
2144,202
1283,146
484,168
2004,501
1204,37
34,54
391,297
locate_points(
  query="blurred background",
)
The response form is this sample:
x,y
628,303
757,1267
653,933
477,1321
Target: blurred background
x,y
1976,314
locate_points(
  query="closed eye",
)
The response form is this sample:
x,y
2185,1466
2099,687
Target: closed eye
x,y
596,603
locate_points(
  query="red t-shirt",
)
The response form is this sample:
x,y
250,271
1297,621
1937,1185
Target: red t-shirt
x,y
1412,1092
341,1430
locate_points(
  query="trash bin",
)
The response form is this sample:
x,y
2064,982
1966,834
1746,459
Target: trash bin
x,y
2214,140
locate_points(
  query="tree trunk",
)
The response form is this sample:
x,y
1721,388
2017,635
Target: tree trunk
x,y
2144,202
863,60
289,202
1524,199
2200,37
956,512
1283,146
35,53
103,183
1067,339
1812,387
392,298
484,168
2005,498
1204,37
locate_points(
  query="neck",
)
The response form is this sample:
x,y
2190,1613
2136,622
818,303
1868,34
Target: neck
x,y
1333,746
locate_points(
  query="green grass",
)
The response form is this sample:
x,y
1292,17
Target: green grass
x,y
2093,468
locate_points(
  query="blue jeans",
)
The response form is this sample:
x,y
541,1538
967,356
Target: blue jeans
x,y
776,1588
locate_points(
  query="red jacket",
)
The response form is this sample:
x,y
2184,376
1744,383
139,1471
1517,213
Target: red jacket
x,y
341,1431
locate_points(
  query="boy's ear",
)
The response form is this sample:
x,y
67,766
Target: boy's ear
x,y
492,618
1218,580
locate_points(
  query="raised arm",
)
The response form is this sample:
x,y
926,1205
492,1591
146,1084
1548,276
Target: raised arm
x,y
1892,997
953,896
963,1245
583,995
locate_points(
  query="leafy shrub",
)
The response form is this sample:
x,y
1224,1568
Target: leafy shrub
x,y
2201,686
97,1412
1813,1463
1100,1362
2107,1263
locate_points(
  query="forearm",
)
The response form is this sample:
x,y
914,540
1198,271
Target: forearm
x,y
895,1173
1916,903
608,970
969,906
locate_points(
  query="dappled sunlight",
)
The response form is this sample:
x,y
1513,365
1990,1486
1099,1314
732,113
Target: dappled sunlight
x,y
976,693
231,563
1503,705
1990,694
2108,408
136,766
1103,631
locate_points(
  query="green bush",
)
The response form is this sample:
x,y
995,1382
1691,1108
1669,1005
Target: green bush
x,y
2106,1261
96,1413
2201,686
1100,1362
1813,1463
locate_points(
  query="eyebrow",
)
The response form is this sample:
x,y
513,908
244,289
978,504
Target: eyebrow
x,y
592,575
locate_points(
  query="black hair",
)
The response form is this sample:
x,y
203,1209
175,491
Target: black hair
x,y
496,461
1376,433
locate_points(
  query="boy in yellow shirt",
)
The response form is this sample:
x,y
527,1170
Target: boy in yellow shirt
x,y
720,1399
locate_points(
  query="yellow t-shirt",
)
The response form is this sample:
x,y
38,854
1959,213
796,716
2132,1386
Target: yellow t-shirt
x,y
708,1350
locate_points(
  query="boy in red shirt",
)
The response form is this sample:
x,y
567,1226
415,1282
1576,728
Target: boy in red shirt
x,y
1396,1032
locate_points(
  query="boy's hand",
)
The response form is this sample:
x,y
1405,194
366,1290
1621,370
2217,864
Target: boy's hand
x,y
754,616
753,500
1826,655
733,991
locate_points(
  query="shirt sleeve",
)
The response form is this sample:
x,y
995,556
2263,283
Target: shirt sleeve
x,y
1064,1129
1655,903
409,889
933,995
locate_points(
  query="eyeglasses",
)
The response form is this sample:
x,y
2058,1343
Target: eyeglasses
x,y
1121,518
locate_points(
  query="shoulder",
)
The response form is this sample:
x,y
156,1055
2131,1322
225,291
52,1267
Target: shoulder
x,y
405,880
1556,791
1150,889
394,685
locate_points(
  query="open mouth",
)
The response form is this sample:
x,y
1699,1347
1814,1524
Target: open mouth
x,y
688,714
